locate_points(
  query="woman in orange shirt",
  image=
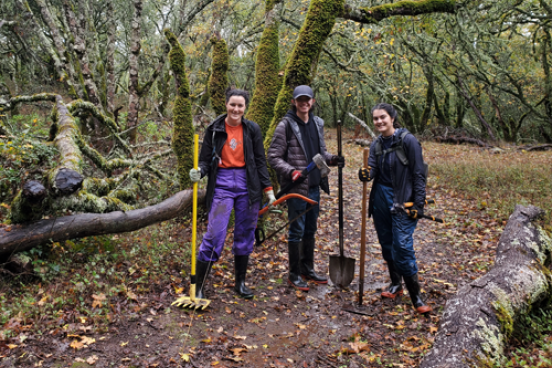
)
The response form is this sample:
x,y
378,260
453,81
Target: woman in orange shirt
x,y
232,155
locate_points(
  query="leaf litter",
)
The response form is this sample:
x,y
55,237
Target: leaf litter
x,y
128,319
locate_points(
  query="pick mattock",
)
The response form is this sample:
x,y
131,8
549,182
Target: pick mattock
x,y
191,301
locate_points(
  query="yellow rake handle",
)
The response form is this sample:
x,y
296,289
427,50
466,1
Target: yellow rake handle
x,y
194,220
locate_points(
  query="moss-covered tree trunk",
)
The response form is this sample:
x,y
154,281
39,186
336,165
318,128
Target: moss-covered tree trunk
x,y
303,60
267,66
218,81
479,321
183,131
133,82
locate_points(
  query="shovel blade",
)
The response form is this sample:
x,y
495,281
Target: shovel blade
x,y
342,270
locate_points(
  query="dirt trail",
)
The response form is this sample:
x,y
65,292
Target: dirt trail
x,y
282,327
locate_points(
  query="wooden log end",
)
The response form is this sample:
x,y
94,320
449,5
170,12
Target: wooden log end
x,y
68,181
34,191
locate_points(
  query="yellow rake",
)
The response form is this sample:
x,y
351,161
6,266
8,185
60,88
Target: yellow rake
x,y
191,301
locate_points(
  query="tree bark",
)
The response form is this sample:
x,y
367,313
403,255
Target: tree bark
x,y
18,238
363,124
133,84
66,143
479,320
482,120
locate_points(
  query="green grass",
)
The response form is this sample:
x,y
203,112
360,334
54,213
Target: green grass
x,y
498,182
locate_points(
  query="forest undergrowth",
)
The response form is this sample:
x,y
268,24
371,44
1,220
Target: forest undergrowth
x,y
106,301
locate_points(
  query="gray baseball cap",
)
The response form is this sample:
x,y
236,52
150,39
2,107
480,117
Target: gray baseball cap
x,y
302,91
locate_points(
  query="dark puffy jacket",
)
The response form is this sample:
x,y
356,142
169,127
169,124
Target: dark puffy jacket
x,y
255,161
295,153
409,181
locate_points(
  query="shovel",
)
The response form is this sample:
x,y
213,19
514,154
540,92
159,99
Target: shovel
x,y
342,269
363,233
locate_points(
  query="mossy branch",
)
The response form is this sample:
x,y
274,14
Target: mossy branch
x,y
402,8
78,107
6,105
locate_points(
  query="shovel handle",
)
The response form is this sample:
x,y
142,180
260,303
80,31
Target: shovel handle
x,y
340,189
363,233
283,198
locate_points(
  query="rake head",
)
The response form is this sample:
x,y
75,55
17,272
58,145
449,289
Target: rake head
x,y
192,303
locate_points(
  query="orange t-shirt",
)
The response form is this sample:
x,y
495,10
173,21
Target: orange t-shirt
x,y
232,152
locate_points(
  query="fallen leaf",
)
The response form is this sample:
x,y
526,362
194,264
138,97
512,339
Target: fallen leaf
x,y
131,295
87,340
238,351
76,344
124,343
92,360
185,357
98,300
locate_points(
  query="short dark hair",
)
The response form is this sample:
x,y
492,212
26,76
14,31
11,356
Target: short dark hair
x,y
237,92
390,110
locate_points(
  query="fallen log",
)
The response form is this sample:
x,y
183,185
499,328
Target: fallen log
x,y
18,238
540,147
479,320
459,140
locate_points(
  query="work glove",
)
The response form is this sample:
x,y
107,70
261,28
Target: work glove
x,y
338,161
270,196
416,211
195,175
364,174
296,174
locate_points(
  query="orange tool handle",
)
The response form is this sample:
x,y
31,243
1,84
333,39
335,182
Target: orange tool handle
x,y
410,204
283,198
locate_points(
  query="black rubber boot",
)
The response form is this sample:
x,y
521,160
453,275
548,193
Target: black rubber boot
x,y
415,295
307,263
202,272
240,270
294,279
395,289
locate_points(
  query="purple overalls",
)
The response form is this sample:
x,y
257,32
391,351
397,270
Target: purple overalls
x,y
230,193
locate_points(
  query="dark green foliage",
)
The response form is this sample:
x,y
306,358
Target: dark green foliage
x,y
183,131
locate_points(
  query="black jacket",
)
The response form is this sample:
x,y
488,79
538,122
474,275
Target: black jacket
x,y
255,161
409,181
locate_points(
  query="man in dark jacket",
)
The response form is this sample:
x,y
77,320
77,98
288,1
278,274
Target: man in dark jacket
x,y
296,140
